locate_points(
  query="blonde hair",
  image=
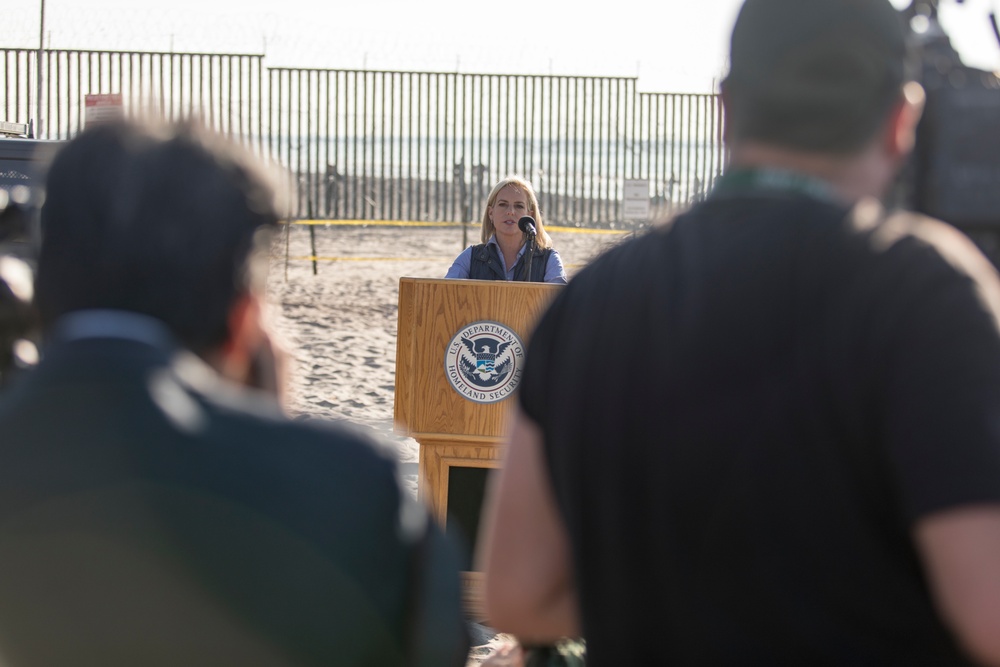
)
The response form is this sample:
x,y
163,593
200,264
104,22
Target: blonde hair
x,y
542,238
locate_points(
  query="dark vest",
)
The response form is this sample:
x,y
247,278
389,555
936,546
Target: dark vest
x,y
486,264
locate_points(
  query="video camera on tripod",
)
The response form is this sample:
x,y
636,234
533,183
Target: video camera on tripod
x,y
954,174
20,203
17,314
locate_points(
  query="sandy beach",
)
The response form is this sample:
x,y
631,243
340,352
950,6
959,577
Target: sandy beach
x,y
340,324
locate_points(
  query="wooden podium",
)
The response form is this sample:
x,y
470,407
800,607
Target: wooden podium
x,y
457,368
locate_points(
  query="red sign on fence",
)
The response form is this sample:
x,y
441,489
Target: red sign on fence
x,y
102,108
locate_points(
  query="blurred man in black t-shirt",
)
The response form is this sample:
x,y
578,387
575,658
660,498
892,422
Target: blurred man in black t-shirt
x,y
769,432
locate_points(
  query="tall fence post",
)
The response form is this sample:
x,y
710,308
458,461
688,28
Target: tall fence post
x,y
38,71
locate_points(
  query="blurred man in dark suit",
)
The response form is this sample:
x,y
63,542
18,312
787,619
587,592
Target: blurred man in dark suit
x,y
153,511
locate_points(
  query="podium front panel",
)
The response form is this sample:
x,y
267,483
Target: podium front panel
x,y
432,313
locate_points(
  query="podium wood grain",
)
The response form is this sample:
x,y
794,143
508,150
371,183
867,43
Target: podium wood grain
x,y
431,312
427,408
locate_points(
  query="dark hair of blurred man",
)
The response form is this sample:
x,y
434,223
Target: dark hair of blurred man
x,y
769,431
154,512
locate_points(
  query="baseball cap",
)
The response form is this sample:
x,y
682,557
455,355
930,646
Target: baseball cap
x,y
815,74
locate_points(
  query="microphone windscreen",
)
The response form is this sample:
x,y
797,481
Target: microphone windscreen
x,y
526,223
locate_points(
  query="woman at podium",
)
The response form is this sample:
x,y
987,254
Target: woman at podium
x,y
515,245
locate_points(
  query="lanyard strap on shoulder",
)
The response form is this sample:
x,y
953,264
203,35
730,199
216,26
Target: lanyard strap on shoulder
x,y
755,180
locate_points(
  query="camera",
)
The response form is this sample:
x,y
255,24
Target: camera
x,y
954,172
20,203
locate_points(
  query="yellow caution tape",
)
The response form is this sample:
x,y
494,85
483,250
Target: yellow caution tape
x,y
308,258
382,223
417,223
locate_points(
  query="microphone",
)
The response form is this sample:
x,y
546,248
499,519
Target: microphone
x,y
527,225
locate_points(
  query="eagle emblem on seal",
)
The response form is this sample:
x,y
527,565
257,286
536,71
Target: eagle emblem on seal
x,y
485,361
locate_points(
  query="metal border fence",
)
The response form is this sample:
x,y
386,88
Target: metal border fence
x,y
222,90
396,145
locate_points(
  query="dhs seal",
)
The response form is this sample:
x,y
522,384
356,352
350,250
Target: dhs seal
x,y
483,362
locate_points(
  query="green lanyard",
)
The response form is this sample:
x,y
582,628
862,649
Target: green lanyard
x,y
749,180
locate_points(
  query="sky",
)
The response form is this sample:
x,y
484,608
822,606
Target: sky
x,y
670,45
